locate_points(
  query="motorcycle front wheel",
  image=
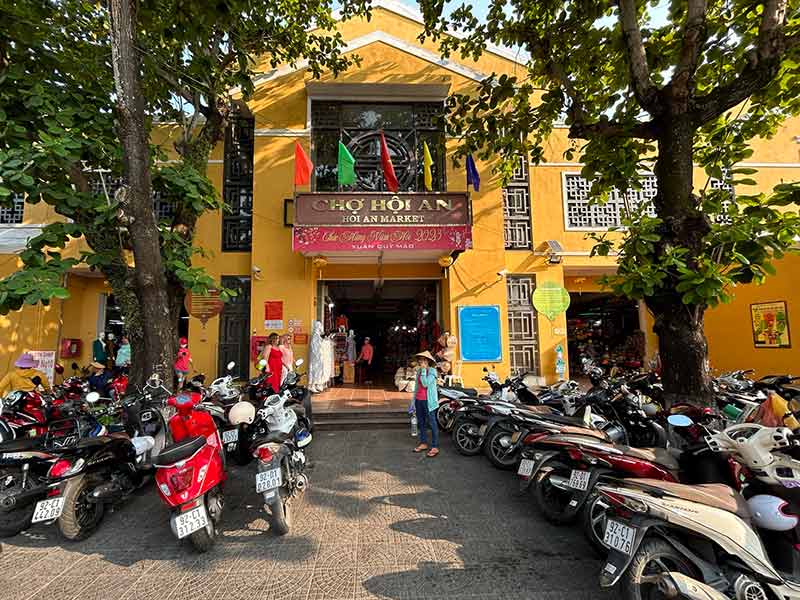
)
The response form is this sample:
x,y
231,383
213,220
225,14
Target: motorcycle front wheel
x,y
443,417
654,556
466,438
81,517
15,521
552,500
497,449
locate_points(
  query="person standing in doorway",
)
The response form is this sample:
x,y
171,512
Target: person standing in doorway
x,y
426,401
365,362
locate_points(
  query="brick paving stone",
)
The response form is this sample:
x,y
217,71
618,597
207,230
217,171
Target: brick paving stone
x,y
377,522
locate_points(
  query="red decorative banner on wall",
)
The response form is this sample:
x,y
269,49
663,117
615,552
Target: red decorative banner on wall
x,y
432,237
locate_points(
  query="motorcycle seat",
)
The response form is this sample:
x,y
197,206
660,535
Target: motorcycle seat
x,y
275,437
21,444
715,495
661,456
180,451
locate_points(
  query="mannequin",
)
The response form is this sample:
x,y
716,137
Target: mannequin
x,y
99,353
316,377
351,346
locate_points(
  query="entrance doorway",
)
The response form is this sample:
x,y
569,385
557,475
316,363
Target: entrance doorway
x,y
401,318
234,328
606,329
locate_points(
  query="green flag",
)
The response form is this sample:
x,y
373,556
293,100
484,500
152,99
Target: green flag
x,y
346,166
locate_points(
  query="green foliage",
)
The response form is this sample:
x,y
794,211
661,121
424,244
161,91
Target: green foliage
x,y
724,78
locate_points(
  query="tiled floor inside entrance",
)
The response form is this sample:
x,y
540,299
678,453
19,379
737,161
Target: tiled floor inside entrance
x,y
360,398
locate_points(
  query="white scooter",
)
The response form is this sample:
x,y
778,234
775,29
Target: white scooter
x,y
708,541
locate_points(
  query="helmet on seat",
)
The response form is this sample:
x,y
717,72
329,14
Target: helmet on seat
x,y
242,412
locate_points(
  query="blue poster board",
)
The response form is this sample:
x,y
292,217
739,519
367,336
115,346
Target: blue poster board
x,y
479,333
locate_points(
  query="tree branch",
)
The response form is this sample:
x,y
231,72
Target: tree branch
x,y
694,37
609,129
179,89
763,64
646,92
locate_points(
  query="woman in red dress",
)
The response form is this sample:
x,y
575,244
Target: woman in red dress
x,y
274,358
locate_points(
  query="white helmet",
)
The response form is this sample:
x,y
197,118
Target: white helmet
x,y
242,412
768,513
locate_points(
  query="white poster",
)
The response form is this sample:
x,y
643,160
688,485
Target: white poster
x,y
46,360
272,325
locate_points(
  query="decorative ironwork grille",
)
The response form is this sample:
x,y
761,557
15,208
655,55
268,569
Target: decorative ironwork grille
x,y
12,214
522,328
103,183
358,126
579,213
237,188
517,209
234,327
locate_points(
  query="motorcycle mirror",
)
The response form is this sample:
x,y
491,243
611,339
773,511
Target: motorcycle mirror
x,y
75,366
92,397
679,421
231,365
262,364
36,380
299,362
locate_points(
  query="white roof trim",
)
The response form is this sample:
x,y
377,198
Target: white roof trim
x,y
412,14
389,40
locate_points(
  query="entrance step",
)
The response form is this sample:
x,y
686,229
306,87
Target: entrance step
x,y
361,419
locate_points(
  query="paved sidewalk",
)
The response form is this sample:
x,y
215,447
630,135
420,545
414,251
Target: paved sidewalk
x,y
378,522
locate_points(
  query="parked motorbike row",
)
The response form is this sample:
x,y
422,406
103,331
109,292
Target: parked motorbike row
x,y
67,467
698,503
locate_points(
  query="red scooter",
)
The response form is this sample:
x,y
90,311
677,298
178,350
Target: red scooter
x,y
191,472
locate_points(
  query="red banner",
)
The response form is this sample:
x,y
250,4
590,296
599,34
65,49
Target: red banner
x,y
421,237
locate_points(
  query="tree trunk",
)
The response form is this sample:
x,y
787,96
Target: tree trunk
x,y
681,340
151,283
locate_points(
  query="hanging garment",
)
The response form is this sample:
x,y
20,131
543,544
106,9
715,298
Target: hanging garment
x,y
351,346
316,367
327,360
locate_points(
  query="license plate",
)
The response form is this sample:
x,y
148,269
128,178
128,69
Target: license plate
x,y
619,536
526,467
47,510
230,435
579,480
191,521
268,480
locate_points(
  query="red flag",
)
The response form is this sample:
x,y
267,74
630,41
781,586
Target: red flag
x,y
388,169
302,165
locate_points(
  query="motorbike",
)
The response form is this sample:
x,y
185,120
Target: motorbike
x,y
571,466
686,541
190,473
277,440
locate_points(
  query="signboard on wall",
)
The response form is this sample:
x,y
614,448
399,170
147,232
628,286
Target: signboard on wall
x,y
770,325
46,362
382,221
479,333
273,314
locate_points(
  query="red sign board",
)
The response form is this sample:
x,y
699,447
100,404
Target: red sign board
x,y
273,310
326,222
325,239
301,339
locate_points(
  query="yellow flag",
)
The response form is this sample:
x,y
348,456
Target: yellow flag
x,y
427,161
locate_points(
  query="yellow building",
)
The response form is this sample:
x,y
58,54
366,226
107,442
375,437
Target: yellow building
x,y
402,266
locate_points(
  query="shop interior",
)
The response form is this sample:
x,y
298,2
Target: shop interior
x,y
606,329
399,316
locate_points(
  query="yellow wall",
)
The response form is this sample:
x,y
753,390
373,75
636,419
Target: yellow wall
x,y
729,331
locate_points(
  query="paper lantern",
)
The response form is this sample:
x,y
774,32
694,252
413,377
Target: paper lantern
x,y
203,306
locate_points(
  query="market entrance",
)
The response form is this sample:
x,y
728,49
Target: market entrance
x,y
606,329
401,318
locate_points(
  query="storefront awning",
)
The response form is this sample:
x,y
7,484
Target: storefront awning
x,y
429,224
